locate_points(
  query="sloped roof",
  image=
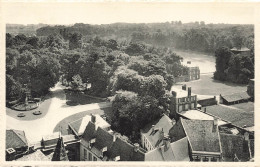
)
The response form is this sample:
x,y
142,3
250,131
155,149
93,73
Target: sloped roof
x,y
35,156
155,138
118,148
234,144
79,125
230,114
198,115
60,152
178,151
236,96
15,139
202,135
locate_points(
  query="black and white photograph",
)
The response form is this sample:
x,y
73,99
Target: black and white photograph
x,y
129,81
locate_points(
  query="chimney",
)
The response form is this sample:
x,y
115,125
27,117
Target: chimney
x,y
184,87
205,110
114,137
93,118
136,147
189,91
153,128
166,142
162,134
215,122
174,94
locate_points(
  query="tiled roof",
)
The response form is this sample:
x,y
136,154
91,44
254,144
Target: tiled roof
x,y
230,114
60,152
236,96
79,125
118,148
234,145
35,156
198,115
202,135
15,139
178,151
90,132
155,137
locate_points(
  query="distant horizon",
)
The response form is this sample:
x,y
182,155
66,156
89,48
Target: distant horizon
x,y
71,24
127,12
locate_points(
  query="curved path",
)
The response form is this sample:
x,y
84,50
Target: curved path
x,y
57,110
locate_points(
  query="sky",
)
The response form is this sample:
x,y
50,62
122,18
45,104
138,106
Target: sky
x,y
109,12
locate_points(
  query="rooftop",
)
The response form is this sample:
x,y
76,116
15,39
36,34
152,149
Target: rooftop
x,y
154,135
236,96
234,145
199,115
181,93
232,115
119,147
15,139
202,135
178,151
35,156
79,125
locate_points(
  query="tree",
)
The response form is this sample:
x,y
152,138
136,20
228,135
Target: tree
x,y
75,40
222,63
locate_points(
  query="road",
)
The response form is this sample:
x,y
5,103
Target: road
x,y
57,111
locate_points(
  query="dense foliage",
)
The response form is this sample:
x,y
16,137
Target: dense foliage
x,y
237,68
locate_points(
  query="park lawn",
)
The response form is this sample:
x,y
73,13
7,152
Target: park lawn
x,y
63,124
76,98
206,85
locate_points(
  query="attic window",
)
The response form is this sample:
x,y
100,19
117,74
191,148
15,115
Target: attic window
x,y
117,158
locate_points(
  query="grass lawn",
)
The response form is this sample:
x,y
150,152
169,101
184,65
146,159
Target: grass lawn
x,y
63,124
248,106
208,86
74,98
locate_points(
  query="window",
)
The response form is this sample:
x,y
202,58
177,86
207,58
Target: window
x,y
95,159
192,105
205,159
85,154
89,156
196,159
214,159
180,108
186,106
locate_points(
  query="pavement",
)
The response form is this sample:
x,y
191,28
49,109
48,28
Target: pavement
x,y
57,111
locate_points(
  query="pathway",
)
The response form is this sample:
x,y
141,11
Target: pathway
x,y
57,111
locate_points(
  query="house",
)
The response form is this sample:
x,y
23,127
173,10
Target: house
x,y
201,115
251,87
176,151
182,100
206,100
16,144
35,156
77,127
234,98
98,144
153,133
203,138
235,147
237,117
192,73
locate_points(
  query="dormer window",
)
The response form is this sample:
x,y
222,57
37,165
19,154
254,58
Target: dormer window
x,y
117,158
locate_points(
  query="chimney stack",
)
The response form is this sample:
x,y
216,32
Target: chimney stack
x,y
189,91
93,118
136,147
205,110
166,142
184,87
